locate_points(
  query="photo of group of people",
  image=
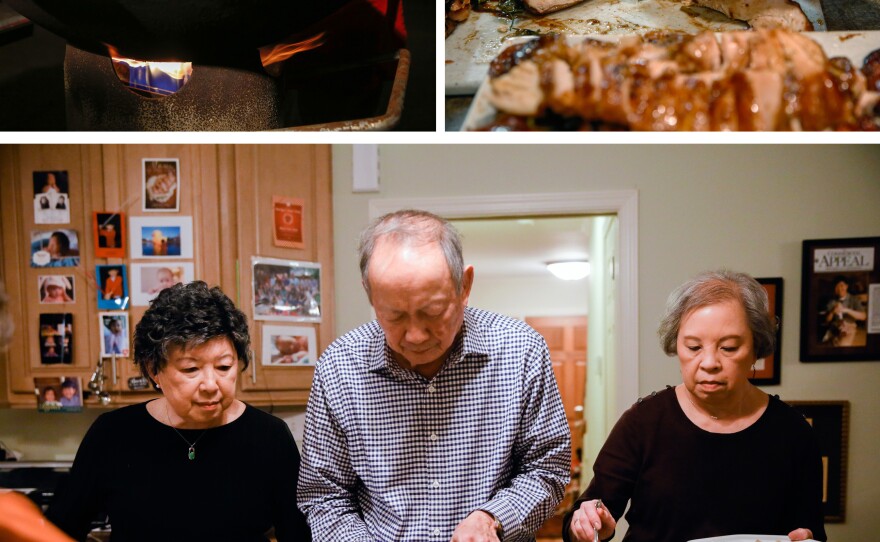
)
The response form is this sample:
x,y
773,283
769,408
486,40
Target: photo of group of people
x,y
56,338
58,393
51,197
287,290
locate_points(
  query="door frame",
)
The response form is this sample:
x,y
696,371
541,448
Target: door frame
x,y
622,203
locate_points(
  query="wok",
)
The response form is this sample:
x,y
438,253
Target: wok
x,y
204,31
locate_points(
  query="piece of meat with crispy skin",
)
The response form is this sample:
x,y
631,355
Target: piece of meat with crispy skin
x,y
548,6
785,14
457,11
751,80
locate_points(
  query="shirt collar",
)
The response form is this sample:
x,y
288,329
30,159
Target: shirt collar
x,y
470,344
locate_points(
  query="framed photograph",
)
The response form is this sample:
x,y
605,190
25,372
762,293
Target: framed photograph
x,y
289,346
830,421
287,230
51,197
767,370
56,288
286,290
148,279
54,248
56,338
161,187
161,237
112,287
58,393
840,300
114,334
109,234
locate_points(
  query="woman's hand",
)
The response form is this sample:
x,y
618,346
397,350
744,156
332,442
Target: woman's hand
x,y
588,520
800,534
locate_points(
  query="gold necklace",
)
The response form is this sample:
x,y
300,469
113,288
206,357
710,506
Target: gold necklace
x,y
191,453
688,397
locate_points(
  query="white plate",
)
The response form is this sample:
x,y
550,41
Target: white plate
x,y
853,45
748,538
480,38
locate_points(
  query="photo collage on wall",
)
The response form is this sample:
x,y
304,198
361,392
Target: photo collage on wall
x,y
164,242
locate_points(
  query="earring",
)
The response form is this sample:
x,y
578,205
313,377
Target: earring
x,y
753,370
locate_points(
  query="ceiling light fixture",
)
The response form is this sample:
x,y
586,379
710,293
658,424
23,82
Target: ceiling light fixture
x,y
569,270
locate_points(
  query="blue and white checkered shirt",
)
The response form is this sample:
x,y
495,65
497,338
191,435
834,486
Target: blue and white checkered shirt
x,y
389,455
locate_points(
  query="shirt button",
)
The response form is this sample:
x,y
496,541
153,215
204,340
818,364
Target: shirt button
x,y
435,485
434,436
436,532
431,388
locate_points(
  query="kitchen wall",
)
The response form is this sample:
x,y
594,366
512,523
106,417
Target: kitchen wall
x,y
743,207
700,207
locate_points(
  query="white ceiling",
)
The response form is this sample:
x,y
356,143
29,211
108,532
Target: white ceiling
x,y
517,247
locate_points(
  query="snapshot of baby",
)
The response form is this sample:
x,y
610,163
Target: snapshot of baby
x,y
59,248
844,314
160,185
165,277
115,336
290,350
56,289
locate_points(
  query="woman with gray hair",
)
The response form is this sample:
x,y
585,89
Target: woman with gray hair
x,y
713,455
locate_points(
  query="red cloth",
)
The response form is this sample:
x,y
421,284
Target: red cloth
x,y
393,11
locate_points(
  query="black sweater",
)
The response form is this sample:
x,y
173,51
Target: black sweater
x,y
684,483
241,483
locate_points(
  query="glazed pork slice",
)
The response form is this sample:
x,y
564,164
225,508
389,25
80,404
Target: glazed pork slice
x,y
785,14
749,80
548,6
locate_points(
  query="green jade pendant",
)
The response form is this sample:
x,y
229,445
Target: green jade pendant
x,y
192,453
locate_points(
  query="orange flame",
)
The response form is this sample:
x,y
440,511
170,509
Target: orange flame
x,y
278,53
177,70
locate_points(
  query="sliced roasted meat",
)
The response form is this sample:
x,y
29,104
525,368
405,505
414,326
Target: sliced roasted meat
x,y
749,80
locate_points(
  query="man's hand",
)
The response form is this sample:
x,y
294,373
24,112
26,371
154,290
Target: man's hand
x,y
477,527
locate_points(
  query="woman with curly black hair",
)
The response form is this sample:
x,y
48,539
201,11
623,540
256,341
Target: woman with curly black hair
x,y
197,463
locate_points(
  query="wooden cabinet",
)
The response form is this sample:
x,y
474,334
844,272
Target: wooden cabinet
x,y
226,189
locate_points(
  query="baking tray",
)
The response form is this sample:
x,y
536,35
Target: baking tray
x,y
480,38
853,45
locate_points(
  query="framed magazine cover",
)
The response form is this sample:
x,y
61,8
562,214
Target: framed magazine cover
x,y
840,300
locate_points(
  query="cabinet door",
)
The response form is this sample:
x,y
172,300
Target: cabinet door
x,y
261,172
29,355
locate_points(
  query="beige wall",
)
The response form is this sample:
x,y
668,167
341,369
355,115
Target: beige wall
x,y
743,207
